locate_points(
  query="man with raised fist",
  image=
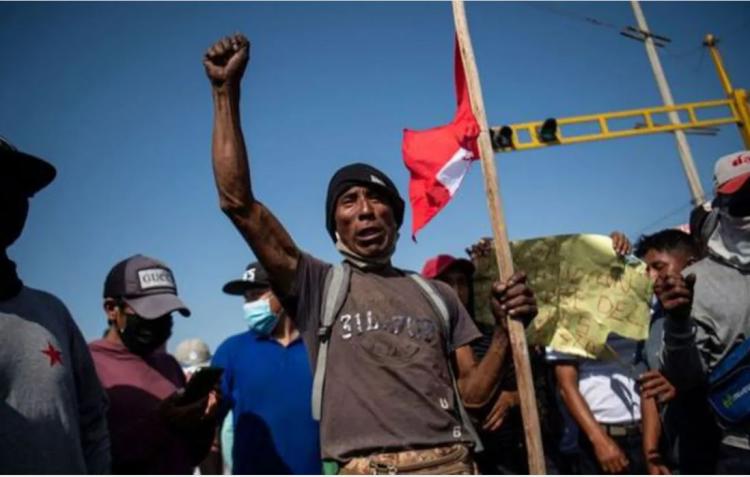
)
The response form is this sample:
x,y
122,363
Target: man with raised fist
x,y
390,348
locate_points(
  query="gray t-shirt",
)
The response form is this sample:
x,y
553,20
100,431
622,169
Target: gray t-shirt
x,y
387,385
719,321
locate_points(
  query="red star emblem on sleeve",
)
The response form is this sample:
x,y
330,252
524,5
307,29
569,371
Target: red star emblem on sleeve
x,y
55,356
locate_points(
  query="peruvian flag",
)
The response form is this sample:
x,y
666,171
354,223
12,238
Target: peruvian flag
x,y
439,158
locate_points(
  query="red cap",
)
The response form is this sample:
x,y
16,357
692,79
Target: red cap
x,y
733,185
436,266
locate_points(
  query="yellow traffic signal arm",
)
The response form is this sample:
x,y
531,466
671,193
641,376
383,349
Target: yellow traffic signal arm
x,y
527,135
739,96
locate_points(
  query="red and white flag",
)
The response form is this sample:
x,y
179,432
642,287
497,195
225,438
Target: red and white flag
x,y
439,158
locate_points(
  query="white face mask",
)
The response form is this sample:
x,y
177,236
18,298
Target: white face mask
x,y
730,241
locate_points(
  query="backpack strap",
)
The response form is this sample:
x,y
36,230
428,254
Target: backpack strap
x,y
334,292
439,306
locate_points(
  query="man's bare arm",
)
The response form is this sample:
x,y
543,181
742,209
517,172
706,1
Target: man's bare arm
x,y
225,64
478,382
608,453
651,430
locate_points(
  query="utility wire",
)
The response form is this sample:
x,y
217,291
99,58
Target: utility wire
x,y
666,216
734,30
682,54
679,55
673,55
722,36
575,16
700,60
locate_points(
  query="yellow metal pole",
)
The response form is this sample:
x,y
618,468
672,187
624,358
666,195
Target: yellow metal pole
x,y
739,96
740,101
520,350
599,129
711,41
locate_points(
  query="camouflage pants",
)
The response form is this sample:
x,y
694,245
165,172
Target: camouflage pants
x,y
447,460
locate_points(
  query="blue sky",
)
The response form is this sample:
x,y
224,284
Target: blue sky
x,y
115,96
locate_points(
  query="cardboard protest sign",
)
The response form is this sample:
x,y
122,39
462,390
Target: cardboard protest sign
x,y
583,290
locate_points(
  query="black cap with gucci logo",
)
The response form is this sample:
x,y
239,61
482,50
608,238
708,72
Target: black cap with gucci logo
x,y
147,285
254,278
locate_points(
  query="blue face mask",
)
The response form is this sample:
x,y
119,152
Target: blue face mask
x,y
259,316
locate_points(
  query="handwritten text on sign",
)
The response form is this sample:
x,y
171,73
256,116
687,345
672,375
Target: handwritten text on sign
x,y
583,290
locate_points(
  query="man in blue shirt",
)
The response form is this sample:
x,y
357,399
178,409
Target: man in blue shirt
x,y
266,385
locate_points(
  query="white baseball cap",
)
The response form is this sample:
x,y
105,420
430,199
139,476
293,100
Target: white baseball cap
x,y
731,172
193,352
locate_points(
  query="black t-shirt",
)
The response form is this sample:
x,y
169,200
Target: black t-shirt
x,y
387,383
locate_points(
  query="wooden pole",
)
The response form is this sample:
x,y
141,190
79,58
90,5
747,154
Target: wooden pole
x,y
502,247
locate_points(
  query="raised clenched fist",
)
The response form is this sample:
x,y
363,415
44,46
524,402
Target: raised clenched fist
x,y
226,60
675,293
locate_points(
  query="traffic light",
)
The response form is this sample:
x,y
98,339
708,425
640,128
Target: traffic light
x,y
502,138
548,131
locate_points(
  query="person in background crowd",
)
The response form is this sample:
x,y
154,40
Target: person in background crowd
x,y
603,399
708,305
154,430
393,335
266,386
559,431
689,435
194,354
53,408
501,428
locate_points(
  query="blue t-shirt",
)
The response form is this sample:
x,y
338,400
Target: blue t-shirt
x,y
267,387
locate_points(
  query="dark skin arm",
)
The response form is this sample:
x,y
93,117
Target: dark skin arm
x,y
620,243
213,464
478,381
651,426
655,385
193,422
225,64
675,294
611,458
683,366
199,442
506,401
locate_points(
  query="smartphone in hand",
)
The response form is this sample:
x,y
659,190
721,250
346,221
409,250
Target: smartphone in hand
x,y
201,383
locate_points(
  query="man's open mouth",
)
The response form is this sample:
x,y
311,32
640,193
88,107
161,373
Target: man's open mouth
x,y
369,233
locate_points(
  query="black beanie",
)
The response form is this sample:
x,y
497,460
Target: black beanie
x,y
360,174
